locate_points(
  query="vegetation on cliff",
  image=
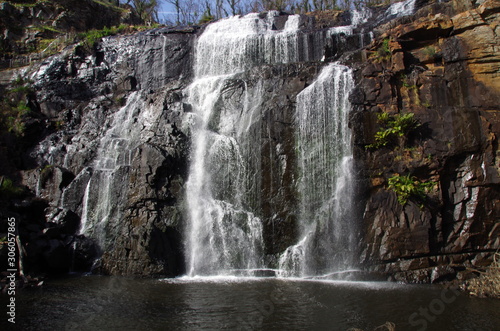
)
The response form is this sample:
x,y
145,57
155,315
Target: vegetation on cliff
x,y
409,187
33,30
433,199
394,128
14,107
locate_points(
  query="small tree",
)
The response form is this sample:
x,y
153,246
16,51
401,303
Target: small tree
x,y
177,6
146,9
234,6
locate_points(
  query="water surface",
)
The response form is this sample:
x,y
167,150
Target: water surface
x,y
113,303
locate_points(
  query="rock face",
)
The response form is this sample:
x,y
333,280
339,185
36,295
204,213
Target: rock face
x,y
82,95
443,66
146,192
124,134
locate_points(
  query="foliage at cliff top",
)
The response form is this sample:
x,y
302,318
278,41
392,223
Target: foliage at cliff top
x,y
89,38
31,30
194,11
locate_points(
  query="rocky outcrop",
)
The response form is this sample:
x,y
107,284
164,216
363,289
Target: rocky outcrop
x,y
80,95
27,29
444,69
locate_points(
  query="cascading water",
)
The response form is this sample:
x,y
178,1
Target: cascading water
x,y
104,192
243,166
400,9
224,234
326,188
238,43
325,182
225,230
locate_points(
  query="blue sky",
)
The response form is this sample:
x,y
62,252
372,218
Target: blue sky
x,y
166,11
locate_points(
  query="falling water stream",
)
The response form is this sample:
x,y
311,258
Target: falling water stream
x,y
224,234
326,177
104,193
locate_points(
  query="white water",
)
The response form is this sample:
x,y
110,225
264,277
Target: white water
x,y
328,230
104,192
400,9
236,44
325,183
223,190
223,233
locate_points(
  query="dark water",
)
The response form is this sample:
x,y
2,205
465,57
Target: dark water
x,y
111,303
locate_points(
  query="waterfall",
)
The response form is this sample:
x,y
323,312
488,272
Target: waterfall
x,y
224,233
403,8
107,187
325,183
236,44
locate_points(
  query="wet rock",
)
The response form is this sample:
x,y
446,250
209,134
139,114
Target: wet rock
x,y
84,252
447,78
442,273
51,183
66,220
57,257
73,195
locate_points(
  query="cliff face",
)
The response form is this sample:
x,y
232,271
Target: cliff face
x,y
145,194
442,66
124,129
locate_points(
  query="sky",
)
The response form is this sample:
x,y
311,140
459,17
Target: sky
x,y
167,11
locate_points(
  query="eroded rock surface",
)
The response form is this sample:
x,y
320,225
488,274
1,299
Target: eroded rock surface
x,y
444,67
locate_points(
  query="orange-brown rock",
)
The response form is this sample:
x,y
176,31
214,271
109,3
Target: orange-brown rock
x,y
444,68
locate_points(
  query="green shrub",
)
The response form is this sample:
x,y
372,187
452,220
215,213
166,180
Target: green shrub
x,y
409,187
15,125
407,84
110,5
430,51
22,5
8,189
22,108
23,89
50,29
93,36
384,50
393,127
207,17
13,107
